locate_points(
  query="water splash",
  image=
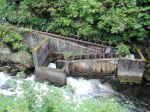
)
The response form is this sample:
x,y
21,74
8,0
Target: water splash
x,y
10,85
77,89
88,88
52,65
3,88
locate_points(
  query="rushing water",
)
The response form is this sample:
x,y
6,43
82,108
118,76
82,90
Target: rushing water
x,y
81,88
10,85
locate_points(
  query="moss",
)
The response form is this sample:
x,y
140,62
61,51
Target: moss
x,y
39,45
130,80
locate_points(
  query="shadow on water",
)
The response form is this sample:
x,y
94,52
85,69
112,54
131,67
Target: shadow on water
x,y
136,96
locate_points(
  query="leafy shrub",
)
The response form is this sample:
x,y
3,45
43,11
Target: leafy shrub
x,y
114,21
67,54
122,49
35,100
144,17
21,16
11,38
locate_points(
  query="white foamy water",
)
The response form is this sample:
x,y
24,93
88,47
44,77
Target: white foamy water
x,y
10,85
131,56
77,88
52,65
3,79
83,89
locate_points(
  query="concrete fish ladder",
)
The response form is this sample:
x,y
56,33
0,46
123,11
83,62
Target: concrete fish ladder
x,y
86,59
93,67
130,70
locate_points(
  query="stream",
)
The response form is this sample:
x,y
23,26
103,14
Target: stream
x,y
81,88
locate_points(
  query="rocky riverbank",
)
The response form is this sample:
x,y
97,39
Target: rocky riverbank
x,y
14,62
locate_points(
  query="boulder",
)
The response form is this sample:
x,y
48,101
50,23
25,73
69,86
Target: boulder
x,y
15,62
4,53
22,57
54,76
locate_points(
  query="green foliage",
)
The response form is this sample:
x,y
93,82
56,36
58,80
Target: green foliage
x,y
107,106
23,30
114,21
11,38
67,54
21,16
35,100
144,17
21,75
122,49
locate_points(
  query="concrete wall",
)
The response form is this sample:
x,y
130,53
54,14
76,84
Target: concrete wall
x,y
130,70
43,45
89,67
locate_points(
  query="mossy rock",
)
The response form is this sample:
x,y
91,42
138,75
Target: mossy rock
x,y
2,45
23,58
15,62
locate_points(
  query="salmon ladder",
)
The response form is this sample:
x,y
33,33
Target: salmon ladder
x,y
79,58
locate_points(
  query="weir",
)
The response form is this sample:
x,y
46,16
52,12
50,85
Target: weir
x,y
79,57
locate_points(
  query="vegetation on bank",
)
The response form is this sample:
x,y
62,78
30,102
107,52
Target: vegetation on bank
x,y
11,38
51,99
114,21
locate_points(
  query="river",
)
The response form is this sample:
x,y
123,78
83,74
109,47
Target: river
x,y
81,88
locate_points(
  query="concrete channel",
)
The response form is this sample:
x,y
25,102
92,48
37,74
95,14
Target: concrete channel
x,y
76,57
